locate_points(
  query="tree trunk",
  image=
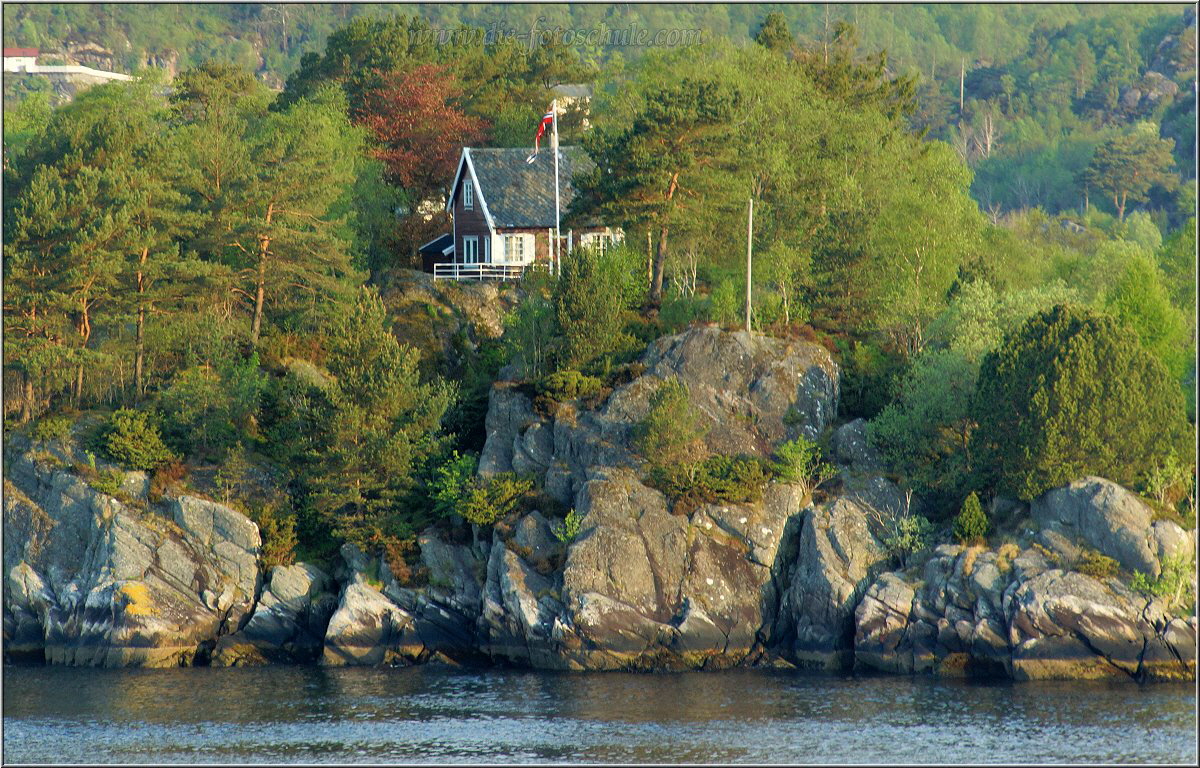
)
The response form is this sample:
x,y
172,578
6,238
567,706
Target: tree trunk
x,y
85,333
26,397
139,355
1119,202
649,258
660,259
264,244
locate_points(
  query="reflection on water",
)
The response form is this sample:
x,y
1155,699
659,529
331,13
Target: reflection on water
x,y
312,714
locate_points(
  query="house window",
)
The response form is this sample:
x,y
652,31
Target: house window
x,y
598,240
518,248
468,195
470,250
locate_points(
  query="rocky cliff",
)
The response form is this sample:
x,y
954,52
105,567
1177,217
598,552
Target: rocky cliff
x,y
92,580
95,579
774,581
1027,611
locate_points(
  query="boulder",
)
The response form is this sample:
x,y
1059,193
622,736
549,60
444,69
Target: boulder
x,y
753,391
368,629
1067,625
836,560
852,449
289,622
1106,517
379,621
640,587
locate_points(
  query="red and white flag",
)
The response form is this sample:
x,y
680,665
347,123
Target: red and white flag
x,y
547,119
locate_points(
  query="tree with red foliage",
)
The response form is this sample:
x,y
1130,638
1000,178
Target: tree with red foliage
x,y
420,128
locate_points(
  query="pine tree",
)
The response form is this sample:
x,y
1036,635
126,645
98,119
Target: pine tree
x,y
382,423
645,169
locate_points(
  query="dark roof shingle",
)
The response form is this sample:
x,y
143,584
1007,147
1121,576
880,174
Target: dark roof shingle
x,y
520,194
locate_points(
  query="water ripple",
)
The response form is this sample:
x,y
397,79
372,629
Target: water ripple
x,y
433,714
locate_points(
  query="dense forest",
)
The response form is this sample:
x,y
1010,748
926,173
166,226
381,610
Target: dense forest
x,y
193,269
1024,94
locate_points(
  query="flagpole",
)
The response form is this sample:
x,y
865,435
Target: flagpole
x,y
557,232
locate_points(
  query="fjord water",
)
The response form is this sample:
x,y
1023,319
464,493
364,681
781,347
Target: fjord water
x,y
435,714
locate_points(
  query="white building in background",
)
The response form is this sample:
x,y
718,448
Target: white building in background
x,y
20,59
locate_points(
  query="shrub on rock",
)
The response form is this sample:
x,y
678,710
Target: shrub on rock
x,y
131,440
972,524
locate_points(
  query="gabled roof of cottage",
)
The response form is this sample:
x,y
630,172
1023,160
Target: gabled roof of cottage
x,y
520,194
441,245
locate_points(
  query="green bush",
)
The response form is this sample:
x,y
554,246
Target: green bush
x,y
130,440
502,495
909,534
568,385
568,530
278,534
716,480
971,524
799,461
900,530
452,482
671,434
51,428
458,490
1096,565
108,481
1175,582
680,312
1072,393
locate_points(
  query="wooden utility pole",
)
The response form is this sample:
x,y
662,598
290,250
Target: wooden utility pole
x,y
649,259
749,259
962,80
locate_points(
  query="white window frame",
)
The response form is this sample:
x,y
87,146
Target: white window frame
x,y
518,248
470,249
468,195
601,241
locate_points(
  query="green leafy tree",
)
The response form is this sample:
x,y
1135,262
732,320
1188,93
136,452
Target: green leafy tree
x,y
1127,166
590,303
672,433
529,335
925,434
799,461
645,168
1140,301
1177,258
1072,393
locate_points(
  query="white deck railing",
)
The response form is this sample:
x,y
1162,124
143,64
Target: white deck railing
x,y
452,270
